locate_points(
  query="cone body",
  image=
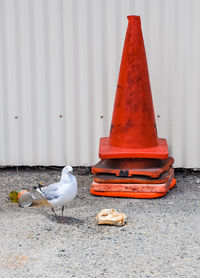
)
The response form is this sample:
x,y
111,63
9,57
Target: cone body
x,y
133,114
133,130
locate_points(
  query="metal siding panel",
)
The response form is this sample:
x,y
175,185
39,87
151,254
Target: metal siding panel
x,y
59,65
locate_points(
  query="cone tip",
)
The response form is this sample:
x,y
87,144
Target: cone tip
x,y
133,17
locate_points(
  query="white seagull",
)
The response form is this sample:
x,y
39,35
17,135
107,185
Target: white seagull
x,y
60,193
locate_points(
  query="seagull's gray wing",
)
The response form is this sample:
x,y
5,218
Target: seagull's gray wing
x,y
51,192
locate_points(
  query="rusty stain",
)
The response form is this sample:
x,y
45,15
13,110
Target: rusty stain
x,y
111,128
135,67
119,87
129,123
133,78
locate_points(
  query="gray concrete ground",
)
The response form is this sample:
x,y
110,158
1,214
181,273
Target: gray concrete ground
x,y
160,239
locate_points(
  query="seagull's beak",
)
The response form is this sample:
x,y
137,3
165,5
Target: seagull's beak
x,y
68,169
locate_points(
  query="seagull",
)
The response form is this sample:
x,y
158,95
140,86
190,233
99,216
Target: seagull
x,y
60,193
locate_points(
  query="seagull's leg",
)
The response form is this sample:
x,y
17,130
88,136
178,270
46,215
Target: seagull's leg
x,y
52,208
63,207
62,219
57,217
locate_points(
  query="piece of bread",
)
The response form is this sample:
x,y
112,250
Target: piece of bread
x,y
110,217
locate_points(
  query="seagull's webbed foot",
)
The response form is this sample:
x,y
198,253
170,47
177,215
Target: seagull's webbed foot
x,y
61,219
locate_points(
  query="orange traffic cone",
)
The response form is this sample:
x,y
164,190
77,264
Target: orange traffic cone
x,y
135,161
133,130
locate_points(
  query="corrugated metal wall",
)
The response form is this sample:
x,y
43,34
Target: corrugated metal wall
x,y
59,64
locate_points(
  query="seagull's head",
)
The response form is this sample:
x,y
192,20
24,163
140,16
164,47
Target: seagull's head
x,y
67,169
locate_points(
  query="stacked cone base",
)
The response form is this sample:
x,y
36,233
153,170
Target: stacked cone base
x,y
126,194
110,178
133,178
127,167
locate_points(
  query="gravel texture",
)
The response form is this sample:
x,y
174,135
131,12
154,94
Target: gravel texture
x,y
160,238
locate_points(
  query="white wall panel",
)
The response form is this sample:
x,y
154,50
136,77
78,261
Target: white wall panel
x,y
59,65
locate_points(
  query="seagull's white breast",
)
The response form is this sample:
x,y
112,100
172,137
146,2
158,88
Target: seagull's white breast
x,y
67,190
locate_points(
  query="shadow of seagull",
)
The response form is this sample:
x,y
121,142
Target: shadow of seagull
x,y
65,219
